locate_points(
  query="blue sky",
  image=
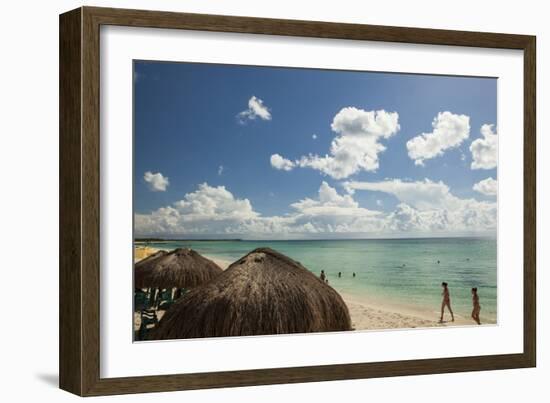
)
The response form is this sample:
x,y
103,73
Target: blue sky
x,y
219,126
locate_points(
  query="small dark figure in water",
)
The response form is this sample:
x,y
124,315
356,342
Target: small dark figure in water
x,y
438,262
323,277
446,302
326,281
477,307
339,274
353,274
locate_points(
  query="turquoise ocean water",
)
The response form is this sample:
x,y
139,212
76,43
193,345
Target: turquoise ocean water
x,y
403,271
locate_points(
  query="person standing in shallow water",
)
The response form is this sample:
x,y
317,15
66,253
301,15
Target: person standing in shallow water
x,y
323,277
477,307
446,302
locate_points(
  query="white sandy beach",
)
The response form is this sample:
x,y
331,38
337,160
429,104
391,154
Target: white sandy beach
x,y
371,315
224,264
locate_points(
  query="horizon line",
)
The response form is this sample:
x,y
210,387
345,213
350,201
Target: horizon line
x,y
136,239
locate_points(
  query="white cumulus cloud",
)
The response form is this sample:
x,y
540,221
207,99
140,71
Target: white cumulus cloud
x,y
207,210
423,195
449,131
485,150
407,219
156,182
214,210
357,143
214,203
487,187
278,162
327,213
329,202
256,109
424,207
427,206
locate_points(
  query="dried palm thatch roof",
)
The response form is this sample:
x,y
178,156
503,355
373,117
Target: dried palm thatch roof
x,y
155,255
180,268
265,292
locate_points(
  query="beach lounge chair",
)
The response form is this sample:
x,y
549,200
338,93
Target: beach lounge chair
x,y
141,301
179,292
149,321
152,292
165,299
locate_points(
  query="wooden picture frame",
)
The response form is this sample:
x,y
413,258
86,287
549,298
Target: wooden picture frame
x,y
79,346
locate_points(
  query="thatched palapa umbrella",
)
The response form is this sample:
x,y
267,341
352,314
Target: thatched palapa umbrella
x,y
180,268
149,258
265,292
142,264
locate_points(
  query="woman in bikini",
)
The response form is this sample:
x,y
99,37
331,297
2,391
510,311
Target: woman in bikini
x,y
446,302
477,307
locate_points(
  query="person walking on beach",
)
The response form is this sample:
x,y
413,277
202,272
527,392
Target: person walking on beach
x,y
446,302
477,307
322,276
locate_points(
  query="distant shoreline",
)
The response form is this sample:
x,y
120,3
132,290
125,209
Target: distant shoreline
x,y
146,241
162,240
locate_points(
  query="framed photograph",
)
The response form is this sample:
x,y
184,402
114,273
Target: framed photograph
x,y
249,201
